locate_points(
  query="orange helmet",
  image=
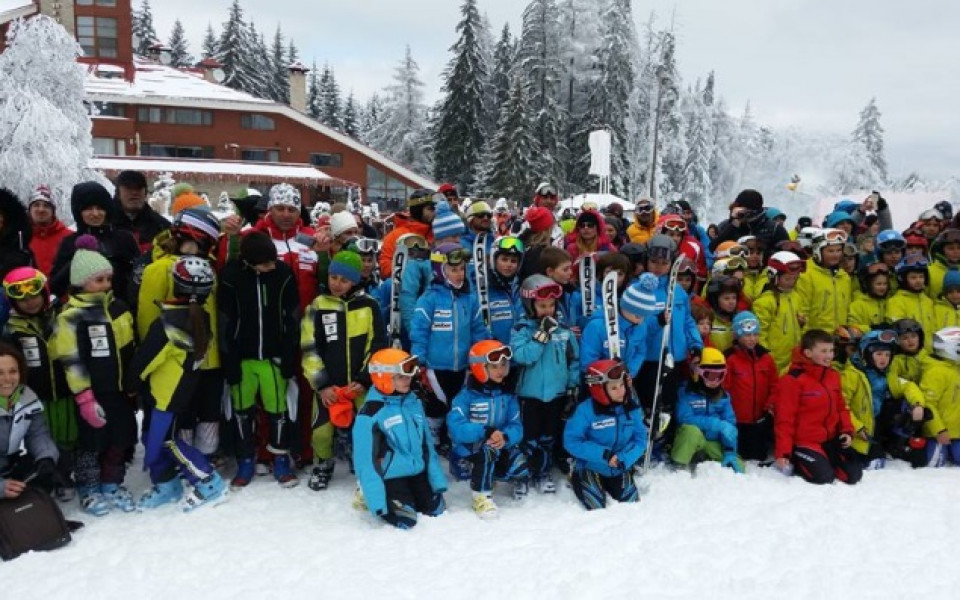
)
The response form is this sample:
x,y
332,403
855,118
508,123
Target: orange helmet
x,y
484,353
387,363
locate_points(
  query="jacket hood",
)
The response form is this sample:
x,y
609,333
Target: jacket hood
x,y
16,230
87,194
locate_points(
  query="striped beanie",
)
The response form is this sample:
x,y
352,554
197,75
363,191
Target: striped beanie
x,y
640,298
447,223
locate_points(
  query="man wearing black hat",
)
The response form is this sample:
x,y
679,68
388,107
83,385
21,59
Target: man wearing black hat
x,y
801,223
747,217
135,215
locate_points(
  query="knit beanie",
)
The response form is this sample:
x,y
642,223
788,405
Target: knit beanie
x,y
348,265
479,207
42,193
539,219
257,248
749,199
640,298
746,323
447,223
342,221
87,262
284,194
187,200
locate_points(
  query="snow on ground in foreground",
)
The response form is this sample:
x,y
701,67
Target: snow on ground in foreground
x,y
716,535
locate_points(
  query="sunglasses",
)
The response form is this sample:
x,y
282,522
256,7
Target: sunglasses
x,y
408,367
614,373
550,291
454,257
510,243
19,290
482,215
587,225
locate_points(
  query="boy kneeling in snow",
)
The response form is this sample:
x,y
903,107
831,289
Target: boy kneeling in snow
x,y
812,426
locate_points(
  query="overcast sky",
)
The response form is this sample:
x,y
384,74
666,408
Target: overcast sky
x,y
813,64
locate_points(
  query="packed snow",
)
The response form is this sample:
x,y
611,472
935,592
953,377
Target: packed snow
x,y
711,535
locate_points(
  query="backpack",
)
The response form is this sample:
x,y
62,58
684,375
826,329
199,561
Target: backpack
x,y
32,521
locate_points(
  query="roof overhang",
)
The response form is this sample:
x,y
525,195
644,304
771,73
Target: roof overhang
x,y
14,9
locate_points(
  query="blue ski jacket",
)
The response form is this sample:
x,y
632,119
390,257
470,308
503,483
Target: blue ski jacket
x,y
445,324
505,305
633,341
391,439
594,434
542,366
479,410
684,336
417,275
576,305
707,415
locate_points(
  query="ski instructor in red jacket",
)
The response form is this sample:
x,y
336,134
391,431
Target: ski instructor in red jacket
x,y
48,230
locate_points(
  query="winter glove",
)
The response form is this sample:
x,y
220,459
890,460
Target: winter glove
x,y
881,201
548,324
570,402
293,398
728,435
90,409
730,459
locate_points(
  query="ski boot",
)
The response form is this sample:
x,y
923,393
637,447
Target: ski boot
x,y
92,501
484,506
245,468
64,493
321,475
282,473
165,492
359,502
546,485
119,496
460,468
520,489
211,490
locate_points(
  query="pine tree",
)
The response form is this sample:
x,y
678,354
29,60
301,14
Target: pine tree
x,y
512,153
696,170
351,120
330,114
314,104
280,76
209,47
371,117
143,30
461,119
402,131
259,64
869,133
179,51
580,42
239,52
708,90
673,147
293,55
504,56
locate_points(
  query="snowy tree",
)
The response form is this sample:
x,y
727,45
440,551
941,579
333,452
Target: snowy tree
x,y
279,74
513,162
179,51
241,54
540,59
351,118
708,90
672,138
580,40
371,117
44,126
855,169
504,55
460,127
293,55
144,33
869,134
209,46
330,109
314,103
696,169
402,131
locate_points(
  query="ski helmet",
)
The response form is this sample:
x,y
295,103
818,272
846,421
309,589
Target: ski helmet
x,y
384,364
888,240
746,323
904,326
915,238
731,248
487,352
947,236
946,344
193,278
951,281
538,287
444,254
913,264
24,281
837,217
712,368
672,222
510,245
601,372
944,208
874,340
198,225
867,272
806,235
728,266
661,247
931,214
784,262
637,253
826,238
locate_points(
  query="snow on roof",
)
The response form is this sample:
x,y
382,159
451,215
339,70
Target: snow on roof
x,y
220,170
14,9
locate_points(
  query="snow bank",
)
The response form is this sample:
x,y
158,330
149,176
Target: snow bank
x,y
715,535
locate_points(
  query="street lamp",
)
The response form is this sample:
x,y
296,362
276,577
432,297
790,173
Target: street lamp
x,y
663,80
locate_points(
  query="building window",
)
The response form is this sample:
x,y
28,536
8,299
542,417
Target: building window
x,y
167,151
326,159
256,122
174,116
110,109
109,147
390,193
97,2
97,36
260,155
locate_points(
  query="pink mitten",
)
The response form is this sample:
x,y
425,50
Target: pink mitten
x,y
90,409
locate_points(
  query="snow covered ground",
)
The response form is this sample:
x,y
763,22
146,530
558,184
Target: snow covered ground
x,y
715,535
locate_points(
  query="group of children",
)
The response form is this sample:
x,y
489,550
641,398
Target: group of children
x,y
777,356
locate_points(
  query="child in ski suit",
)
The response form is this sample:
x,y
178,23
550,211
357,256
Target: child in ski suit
x,y
751,381
779,308
31,329
637,304
393,452
339,332
169,360
824,288
610,261
869,308
940,384
544,348
722,294
502,286
485,426
812,427
94,341
258,304
947,308
413,281
945,258
606,437
707,426
911,301
556,264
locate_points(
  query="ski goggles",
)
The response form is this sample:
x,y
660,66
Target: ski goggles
x,y
850,251
408,367
713,374
832,237
454,257
728,265
615,373
877,268
738,250
545,292
510,245
891,245
645,210
659,253
748,326
674,225
18,290
417,247
547,190
914,261
363,245
887,336
494,357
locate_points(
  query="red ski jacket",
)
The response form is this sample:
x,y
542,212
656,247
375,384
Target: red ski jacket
x,y
45,242
751,381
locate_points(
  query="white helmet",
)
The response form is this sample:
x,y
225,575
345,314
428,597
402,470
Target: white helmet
x,y
825,238
806,235
946,344
784,262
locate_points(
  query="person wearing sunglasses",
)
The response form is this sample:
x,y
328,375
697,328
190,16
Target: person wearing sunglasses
x,y
548,352
589,236
606,437
944,257
486,428
479,221
911,301
421,210
824,288
707,425
412,481
751,381
748,217
778,308
869,309
644,222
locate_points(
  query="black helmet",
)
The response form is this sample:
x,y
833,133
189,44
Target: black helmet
x,y
902,326
637,253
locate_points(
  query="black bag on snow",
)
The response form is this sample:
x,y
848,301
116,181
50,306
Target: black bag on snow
x,y
32,521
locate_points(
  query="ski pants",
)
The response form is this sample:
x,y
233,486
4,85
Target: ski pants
x,y
166,454
506,464
591,488
446,385
823,463
102,453
938,456
646,382
541,426
414,493
278,438
755,440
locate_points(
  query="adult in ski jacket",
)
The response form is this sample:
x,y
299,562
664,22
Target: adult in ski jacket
x,y
48,231
747,217
644,222
22,423
594,433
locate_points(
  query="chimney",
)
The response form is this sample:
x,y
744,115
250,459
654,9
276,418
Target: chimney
x,y
212,70
298,86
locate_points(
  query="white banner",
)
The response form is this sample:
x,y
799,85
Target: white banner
x,y
600,153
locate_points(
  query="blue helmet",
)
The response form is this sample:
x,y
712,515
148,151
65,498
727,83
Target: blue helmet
x,y
746,323
874,340
889,239
846,205
775,213
837,217
912,264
